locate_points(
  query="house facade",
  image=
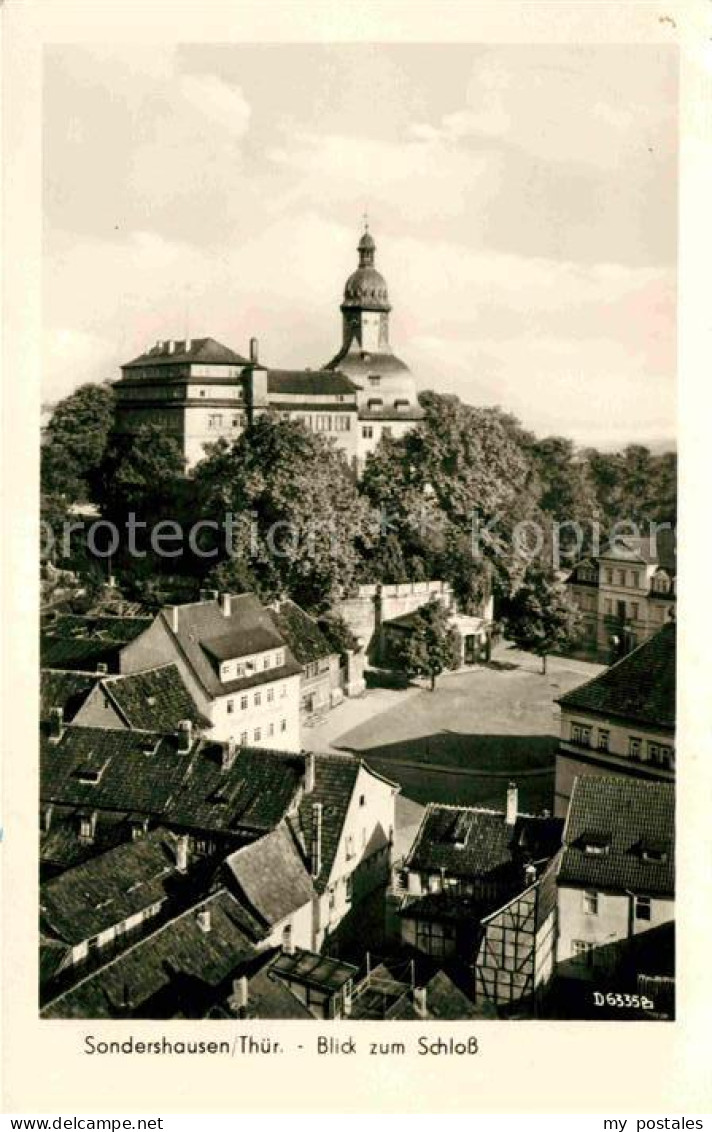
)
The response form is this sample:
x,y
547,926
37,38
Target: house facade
x,y
626,593
616,875
237,666
623,721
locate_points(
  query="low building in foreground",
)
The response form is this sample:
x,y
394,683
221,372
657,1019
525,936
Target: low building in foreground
x,y
623,721
615,882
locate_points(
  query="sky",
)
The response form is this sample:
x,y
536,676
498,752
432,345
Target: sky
x,y
522,198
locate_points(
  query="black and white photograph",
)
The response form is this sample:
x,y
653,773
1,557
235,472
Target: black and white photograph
x,y
358,479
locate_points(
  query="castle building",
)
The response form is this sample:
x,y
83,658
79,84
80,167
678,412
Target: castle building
x,y
201,391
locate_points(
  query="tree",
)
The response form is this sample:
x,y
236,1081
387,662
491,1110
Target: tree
x,y
75,441
431,645
540,617
297,517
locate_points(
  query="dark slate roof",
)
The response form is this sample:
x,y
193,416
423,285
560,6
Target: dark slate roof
x,y
471,842
202,350
361,363
202,626
172,972
444,1001
108,889
252,796
134,771
65,690
301,632
639,688
622,816
156,700
311,969
334,781
269,997
271,876
308,382
74,642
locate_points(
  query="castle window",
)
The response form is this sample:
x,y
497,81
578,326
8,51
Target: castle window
x,y
375,403
374,379
367,432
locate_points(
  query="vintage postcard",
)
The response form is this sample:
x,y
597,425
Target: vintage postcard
x,y
355,672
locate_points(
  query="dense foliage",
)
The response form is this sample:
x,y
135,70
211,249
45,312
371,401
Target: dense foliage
x,y
431,645
467,496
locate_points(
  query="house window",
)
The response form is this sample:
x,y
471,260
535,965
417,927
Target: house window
x,y
367,432
349,847
243,738
362,800
604,739
582,952
270,695
283,725
374,379
258,699
661,583
590,903
581,734
243,703
348,888
608,607
230,706
642,908
435,939
634,747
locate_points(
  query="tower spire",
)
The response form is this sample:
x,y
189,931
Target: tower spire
x,y
366,245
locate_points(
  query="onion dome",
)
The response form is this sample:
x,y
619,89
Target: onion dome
x,y
366,288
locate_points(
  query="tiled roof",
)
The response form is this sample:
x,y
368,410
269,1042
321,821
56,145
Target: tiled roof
x,y
301,632
172,972
109,888
202,350
103,769
659,548
267,997
202,626
639,688
60,846
65,690
142,772
156,700
252,796
477,843
308,382
272,876
621,817
74,642
334,782
445,1001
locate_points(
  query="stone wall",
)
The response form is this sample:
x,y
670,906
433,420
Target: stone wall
x,y
365,612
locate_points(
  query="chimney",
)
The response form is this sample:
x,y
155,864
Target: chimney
x,y
420,1001
102,668
315,852
203,919
254,351
182,854
225,603
240,995
185,736
309,772
56,720
512,803
228,754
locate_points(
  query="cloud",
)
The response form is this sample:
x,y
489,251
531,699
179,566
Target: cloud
x,y
220,102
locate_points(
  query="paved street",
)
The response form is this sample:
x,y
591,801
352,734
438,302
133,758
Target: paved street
x,y
465,741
